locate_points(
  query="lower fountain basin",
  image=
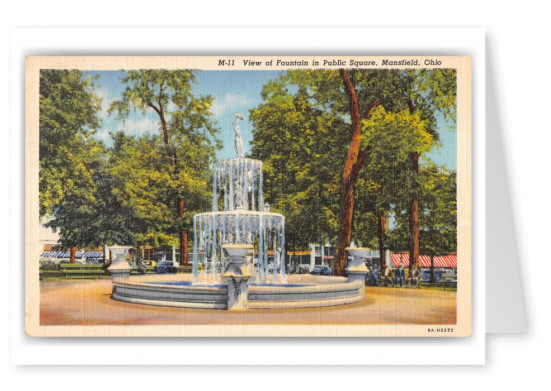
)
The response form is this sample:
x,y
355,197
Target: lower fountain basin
x,y
300,291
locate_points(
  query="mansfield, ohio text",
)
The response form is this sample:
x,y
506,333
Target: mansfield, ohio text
x,y
332,62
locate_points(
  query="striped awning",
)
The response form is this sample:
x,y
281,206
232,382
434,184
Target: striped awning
x,y
66,254
424,260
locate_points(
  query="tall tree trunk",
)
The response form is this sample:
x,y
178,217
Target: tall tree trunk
x,y
345,232
173,161
355,160
166,139
414,208
103,253
138,254
184,259
414,217
72,254
381,236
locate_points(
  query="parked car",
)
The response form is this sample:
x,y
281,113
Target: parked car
x,y
322,271
300,269
450,275
425,277
270,268
165,267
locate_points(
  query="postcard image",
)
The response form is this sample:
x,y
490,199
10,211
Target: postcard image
x,y
245,196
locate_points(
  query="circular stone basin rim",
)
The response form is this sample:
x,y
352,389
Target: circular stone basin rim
x,y
179,291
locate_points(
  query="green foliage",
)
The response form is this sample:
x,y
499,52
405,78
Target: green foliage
x,y
303,135
95,196
71,271
437,214
300,145
68,154
154,173
114,222
141,185
75,215
432,91
395,134
130,193
391,137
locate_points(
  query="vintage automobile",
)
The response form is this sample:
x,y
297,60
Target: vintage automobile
x,y
426,275
319,270
165,267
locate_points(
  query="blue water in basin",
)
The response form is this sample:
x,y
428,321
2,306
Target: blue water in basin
x,y
282,285
187,283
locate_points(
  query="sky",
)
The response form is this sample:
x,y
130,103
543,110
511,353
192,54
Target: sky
x,y
233,91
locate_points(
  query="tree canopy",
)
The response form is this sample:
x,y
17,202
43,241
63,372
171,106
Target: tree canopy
x,y
70,158
371,118
340,149
68,120
300,146
181,156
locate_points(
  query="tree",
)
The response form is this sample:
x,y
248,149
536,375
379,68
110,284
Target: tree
x,y
325,93
438,217
188,137
437,194
142,186
68,119
352,97
430,91
75,215
426,91
391,137
69,156
300,145
115,222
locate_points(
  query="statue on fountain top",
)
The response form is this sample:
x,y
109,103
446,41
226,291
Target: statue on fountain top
x,y
238,140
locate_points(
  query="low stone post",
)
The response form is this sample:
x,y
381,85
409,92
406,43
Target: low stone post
x,y
237,274
119,266
356,269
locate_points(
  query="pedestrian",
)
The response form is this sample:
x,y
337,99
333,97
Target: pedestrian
x,y
401,274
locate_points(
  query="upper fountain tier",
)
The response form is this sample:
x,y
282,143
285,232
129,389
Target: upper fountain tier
x,y
237,182
237,185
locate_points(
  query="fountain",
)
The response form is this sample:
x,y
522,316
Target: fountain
x,y
239,216
231,247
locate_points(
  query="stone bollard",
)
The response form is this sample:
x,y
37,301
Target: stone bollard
x,y
119,266
237,275
356,269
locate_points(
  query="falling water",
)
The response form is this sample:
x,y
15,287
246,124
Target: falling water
x,y
241,219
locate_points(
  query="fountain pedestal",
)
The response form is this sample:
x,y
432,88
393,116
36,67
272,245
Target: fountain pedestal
x,y
237,275
357,270
119,266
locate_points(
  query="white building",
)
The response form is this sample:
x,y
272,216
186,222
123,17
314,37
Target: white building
x,y
47,237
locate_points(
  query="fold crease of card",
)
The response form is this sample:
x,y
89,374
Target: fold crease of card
x,y
505,311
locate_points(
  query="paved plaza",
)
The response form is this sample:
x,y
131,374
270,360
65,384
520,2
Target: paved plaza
x,y
90,303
